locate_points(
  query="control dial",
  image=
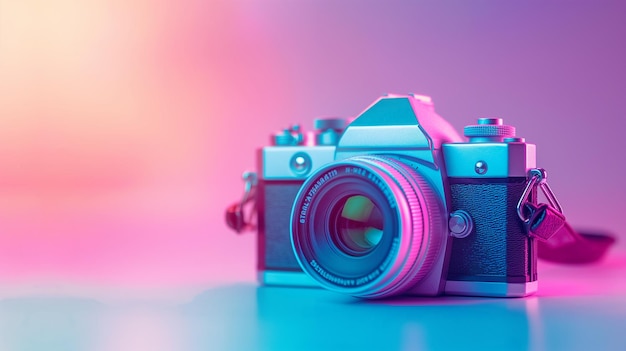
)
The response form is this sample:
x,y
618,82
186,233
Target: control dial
x,y
489,130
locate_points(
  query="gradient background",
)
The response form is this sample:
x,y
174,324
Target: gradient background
x,y
125,125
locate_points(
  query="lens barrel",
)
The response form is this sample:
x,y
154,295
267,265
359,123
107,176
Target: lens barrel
x,y
368,226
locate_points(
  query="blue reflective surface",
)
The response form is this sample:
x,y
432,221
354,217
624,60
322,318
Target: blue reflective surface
x,y
299,319
577,308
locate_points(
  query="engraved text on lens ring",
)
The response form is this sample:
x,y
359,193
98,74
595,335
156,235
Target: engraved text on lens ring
x,y
358,281
309,196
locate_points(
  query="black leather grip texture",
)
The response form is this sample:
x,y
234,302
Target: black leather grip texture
x,y
498,249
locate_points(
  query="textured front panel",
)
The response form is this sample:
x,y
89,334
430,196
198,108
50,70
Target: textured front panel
x,y
498,249
275,201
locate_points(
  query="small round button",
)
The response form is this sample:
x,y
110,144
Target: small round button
x,y
300,163
480,167
460,224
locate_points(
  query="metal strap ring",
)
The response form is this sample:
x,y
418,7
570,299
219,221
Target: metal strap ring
x,y
524,198
538,177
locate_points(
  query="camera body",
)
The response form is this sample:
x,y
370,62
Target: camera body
x,y
397,203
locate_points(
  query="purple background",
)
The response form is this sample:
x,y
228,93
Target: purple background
x,y
128,124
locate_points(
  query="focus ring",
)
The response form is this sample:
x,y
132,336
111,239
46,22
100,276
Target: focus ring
x,y
420,247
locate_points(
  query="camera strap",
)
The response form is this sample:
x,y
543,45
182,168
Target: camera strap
x,y
557,240
236,216
570,246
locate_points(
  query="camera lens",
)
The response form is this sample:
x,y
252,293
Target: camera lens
x,y
357,225
369,226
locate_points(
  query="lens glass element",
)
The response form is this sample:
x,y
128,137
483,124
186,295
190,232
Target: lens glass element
x,y
358,225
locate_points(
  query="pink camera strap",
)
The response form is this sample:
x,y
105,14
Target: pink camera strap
x,y
569,246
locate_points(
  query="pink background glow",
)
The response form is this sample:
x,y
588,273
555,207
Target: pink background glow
x,y
125,125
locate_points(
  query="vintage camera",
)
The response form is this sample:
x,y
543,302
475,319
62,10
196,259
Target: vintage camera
x,y
396,202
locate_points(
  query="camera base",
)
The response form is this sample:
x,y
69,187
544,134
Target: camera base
x,y
493,289
286,278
